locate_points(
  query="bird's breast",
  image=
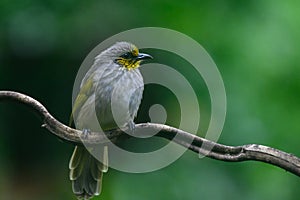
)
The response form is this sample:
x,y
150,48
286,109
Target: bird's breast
x,y
117,97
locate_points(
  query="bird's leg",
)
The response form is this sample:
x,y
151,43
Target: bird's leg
x,y
131,127
85,134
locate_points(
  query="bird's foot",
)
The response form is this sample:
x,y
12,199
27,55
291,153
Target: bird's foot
x,y
85,133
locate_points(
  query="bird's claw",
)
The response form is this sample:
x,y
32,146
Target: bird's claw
x,y
85,133
131,127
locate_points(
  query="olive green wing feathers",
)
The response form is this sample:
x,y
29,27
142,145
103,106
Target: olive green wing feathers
x,y
85,92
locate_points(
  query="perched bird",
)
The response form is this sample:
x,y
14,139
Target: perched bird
x,y
113,82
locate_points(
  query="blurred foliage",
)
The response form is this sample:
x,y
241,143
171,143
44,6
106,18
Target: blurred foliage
x,y
254,43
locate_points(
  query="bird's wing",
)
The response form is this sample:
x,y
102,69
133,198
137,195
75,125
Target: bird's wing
x,y
85,92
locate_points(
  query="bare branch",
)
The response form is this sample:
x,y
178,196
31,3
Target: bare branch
x,y
199,145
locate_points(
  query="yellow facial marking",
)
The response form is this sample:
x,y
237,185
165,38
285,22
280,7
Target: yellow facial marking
x,y
130,63
135,51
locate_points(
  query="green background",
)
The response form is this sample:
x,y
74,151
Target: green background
x,y
254,43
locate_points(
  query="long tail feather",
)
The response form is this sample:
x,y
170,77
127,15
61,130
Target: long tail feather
x,y
86,173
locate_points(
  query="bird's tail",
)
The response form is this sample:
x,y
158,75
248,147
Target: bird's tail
x,y
86,173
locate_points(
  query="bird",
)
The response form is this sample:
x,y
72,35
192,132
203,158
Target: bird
x,y
113,82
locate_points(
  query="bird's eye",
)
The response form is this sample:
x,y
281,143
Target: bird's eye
x,y
126,55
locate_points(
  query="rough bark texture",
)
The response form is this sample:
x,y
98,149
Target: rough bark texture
x,y
199,145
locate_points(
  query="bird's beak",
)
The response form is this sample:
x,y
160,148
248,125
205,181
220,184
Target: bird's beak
x,y
143,56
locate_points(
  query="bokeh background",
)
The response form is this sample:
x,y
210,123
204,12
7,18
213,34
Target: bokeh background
x,y
254,43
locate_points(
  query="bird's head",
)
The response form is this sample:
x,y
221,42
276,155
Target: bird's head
x,y
126,55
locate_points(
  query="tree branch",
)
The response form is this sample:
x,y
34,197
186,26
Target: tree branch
x,y
199,145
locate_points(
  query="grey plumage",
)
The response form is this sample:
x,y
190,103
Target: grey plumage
x,y
112,90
